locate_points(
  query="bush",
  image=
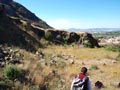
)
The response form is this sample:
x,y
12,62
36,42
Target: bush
x,y
113,47
95,67
65,40
88,44
6,85
11,72
61,64
48,35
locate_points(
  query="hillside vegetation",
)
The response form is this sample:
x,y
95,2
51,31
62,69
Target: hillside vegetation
x,y
54,67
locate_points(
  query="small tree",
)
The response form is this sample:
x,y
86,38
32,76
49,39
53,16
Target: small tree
x,y
11,72
88,44
65,40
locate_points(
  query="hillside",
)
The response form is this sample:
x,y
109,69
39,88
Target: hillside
x,y
35,56
15,9
54,67
20,27
13,31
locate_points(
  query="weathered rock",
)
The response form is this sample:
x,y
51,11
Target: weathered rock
x,y
72,61
84,36
114,61
9,55
41,54
73,37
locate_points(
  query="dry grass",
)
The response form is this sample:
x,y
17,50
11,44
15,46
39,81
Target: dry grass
x,y
108,71
83,53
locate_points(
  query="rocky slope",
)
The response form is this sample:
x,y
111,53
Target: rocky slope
x,y
14,32
20,27
15,9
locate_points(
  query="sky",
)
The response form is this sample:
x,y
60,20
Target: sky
x,y
83,14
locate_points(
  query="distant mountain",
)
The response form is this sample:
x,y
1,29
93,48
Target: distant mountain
x,y
15,9
94,30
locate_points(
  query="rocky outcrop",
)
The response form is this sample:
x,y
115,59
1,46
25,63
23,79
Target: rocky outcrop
x,y
87,37
56,34
71,37
8,55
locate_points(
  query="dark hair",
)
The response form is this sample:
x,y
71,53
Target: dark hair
x,y
98,84
84,70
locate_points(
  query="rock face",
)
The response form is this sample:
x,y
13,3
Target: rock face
x,y
73,37
89,38
56,36
61,37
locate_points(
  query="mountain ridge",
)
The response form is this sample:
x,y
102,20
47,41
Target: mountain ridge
x,y
15,9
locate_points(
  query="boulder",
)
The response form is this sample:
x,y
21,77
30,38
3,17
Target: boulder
x,y
73,37
56,36
89,38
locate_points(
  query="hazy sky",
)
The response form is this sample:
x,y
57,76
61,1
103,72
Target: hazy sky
x,y
63,14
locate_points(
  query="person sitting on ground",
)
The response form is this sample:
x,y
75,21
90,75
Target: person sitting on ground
x,y
81,81
98,85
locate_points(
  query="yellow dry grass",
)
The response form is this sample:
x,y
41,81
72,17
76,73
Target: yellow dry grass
x,y
108,71
83,53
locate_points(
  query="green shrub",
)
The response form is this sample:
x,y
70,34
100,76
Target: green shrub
x,y
61,64
88,44
59,55
95,67
65,40
6,85
48,35
113,47
11,72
